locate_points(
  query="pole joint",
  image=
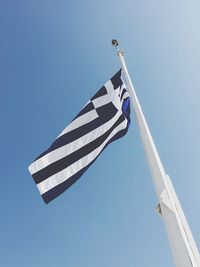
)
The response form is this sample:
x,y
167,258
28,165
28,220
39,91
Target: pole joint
x,y
121,52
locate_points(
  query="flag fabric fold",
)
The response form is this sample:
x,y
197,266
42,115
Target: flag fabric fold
x,y
105,118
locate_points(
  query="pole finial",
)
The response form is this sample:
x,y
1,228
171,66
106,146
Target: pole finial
x,y
115,43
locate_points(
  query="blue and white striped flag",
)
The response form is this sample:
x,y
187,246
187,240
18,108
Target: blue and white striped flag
x,y
105,118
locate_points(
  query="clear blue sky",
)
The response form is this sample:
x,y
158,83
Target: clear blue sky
x,y
54,55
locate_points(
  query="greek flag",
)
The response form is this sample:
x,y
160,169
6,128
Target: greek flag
x,y
105,118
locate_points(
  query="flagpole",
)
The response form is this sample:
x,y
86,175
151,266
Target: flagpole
x,y
182,244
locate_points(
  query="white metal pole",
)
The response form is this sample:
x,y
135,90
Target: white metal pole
x,y
183,247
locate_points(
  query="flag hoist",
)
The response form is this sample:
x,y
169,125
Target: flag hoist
x,y
182,244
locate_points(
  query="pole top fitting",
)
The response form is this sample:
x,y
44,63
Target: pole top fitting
x,y
115,43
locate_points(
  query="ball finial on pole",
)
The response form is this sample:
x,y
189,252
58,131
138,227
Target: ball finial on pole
x,y
115,43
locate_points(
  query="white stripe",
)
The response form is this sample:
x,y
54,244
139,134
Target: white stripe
x,y
126,95
109,87
71,147
83,119
65,174
102,100
105,99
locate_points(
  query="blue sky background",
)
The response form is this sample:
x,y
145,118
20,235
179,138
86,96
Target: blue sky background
x,y
54,55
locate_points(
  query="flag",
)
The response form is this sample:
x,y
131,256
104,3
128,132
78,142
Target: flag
x,y
105,118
